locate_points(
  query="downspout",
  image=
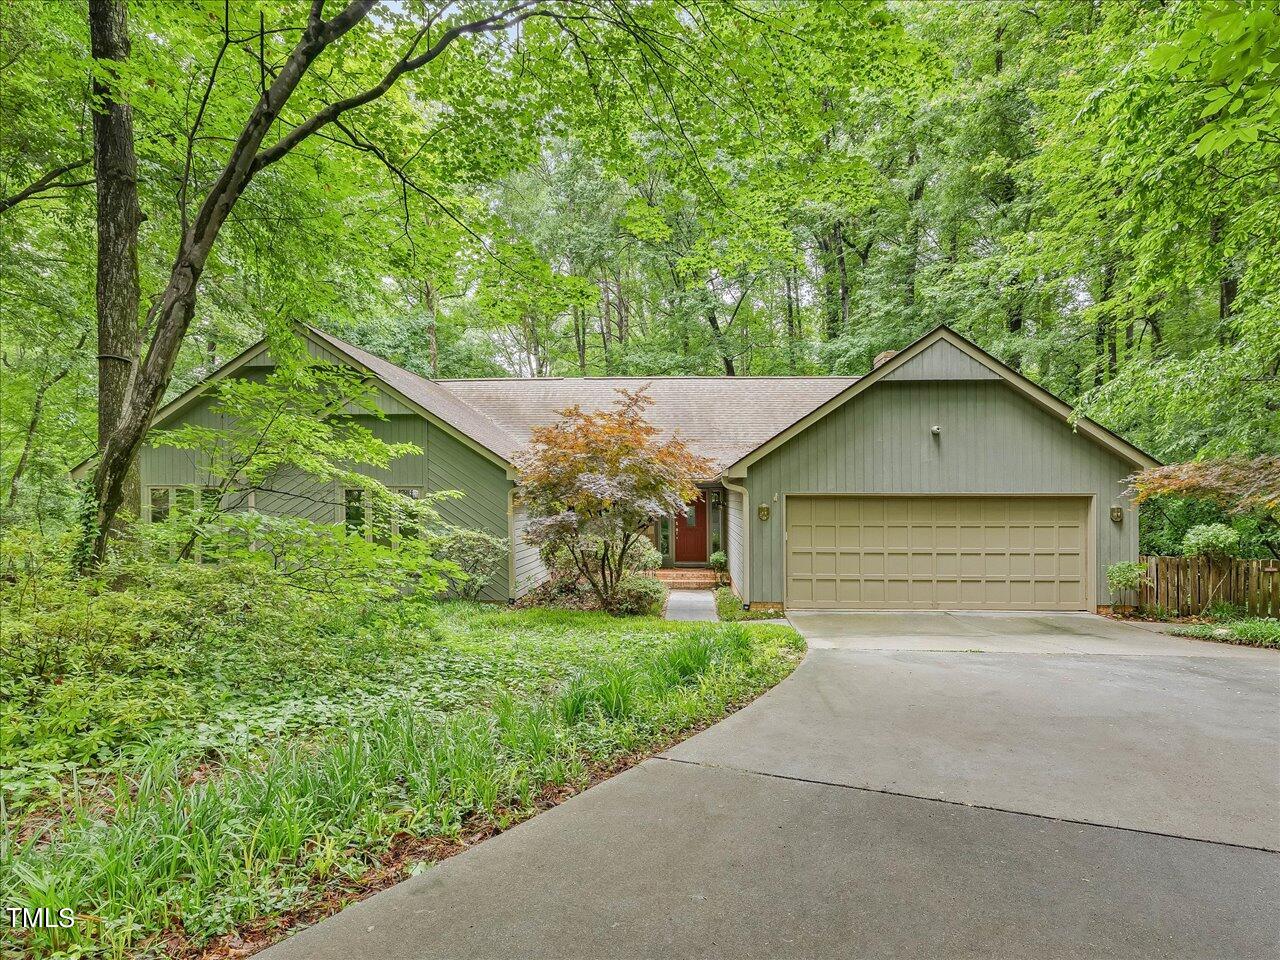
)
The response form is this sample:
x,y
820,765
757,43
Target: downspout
x,y
746,538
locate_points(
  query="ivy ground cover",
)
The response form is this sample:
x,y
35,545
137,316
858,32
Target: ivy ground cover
x,y
296,769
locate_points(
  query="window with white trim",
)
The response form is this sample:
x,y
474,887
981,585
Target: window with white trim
x,y
356,512
172,500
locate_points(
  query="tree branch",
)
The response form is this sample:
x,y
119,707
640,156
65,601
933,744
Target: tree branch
x,y
46,182
407,62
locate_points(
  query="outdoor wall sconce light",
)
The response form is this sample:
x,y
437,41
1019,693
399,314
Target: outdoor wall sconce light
x,y
762,511
1117,514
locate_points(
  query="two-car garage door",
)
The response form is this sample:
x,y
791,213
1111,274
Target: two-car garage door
x,y
976,553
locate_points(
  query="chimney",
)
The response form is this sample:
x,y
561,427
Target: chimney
x,y
883,357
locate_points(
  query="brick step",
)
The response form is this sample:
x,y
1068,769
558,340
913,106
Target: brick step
x,y
688,579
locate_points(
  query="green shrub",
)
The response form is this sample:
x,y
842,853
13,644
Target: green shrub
x,y
575,698
1216,541
93,668
644,557
729,608
1263,631
1222,611
1126,576
478,556
685,660
638,595
615,692
718,561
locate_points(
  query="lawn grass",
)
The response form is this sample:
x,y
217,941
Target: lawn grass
x,y
459,721
729,608
1248,631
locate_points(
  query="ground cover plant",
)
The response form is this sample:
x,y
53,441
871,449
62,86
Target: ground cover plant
x,y
1247,631
729,608
237,776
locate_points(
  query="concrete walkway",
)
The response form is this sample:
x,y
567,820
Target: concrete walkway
x,y
691,605
901,802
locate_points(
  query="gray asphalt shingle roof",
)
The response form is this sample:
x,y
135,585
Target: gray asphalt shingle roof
x,y
720,418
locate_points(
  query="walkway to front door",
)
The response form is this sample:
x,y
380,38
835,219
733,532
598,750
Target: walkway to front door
x,y
691,532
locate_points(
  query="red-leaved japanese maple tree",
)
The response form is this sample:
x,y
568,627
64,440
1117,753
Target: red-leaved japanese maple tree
x,y
594,482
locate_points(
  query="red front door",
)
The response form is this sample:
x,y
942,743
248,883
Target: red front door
x,y
691,532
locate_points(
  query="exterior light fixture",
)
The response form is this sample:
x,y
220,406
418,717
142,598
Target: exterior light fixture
x,y
936,431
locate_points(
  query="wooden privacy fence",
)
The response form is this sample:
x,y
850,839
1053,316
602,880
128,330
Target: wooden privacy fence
x,y
1186,585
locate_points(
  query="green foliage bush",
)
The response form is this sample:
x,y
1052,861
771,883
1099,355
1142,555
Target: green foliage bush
x,y
163,851
92,668
1217,541
638,595
718,561
1223,611
1126,576
643,557
1166,520
479,557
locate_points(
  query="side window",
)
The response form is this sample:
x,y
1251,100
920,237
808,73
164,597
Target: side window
x,y
170,502
354,516
408,530
159,501
210,500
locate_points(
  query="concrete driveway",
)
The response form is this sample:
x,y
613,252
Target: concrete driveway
x,y
1079,788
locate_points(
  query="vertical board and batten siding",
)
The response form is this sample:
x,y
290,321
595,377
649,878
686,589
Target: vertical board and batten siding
x,y
526,560
445,464
942,361
734,538
452,465
992,441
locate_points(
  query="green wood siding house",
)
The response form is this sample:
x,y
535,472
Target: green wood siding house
x,y
942,479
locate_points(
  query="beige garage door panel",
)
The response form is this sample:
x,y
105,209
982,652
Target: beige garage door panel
x,y
978,553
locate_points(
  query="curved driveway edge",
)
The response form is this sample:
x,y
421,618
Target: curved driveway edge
x,y
898,803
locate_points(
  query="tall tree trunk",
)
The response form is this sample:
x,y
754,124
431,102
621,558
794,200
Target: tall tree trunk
x,y
721,347
792,333
1102,323
1228,285
116,175
433,344
1157,335
914,195
580,338
169,317
605,336
830,287
842,271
